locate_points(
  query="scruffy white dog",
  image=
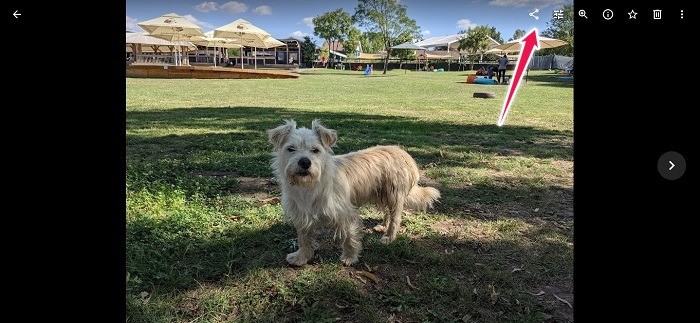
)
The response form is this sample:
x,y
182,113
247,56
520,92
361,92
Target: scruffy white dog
x,y
321,190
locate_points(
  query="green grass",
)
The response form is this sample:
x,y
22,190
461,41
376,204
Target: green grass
x,y
203,244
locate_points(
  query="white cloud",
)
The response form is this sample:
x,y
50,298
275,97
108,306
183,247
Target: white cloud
x,y
523,3
308,21
425,32
465,24
299,34
207,6
233,7
263,10
198,22
131,24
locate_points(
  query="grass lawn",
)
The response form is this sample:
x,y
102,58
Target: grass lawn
x,y
204,236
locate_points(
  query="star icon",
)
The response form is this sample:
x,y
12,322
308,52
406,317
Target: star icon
x,y
633,15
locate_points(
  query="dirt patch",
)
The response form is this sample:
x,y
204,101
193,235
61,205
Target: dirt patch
x,y
427,181
260,188
556,296
257,188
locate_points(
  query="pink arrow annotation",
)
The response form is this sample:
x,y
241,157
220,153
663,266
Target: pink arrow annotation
x,y
528,42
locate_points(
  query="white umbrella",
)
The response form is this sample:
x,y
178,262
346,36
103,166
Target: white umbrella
x,y
171,27
269,43
208,40
545,42
408,46
246,34
515,46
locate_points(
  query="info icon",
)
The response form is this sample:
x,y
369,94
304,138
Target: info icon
x,y
607,14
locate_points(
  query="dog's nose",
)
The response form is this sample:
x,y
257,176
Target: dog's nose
x,y
305,163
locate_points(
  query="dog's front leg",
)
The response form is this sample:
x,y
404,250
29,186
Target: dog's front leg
x,y
306,250
352,241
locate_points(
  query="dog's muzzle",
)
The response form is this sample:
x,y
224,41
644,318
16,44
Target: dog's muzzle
x,y
304,165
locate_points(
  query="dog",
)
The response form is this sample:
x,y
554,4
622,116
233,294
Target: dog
x,y
322,190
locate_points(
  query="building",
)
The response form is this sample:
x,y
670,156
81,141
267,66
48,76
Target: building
x,y
287,54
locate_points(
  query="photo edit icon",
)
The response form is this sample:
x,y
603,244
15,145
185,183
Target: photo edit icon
x,y
657,14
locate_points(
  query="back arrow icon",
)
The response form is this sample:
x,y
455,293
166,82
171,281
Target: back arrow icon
x,y
672,165
16,14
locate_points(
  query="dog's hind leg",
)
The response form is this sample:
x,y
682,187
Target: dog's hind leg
x,y
352,241
306,248
382,227
394,215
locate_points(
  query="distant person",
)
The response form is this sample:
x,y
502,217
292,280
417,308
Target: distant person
x,y
502,66
371,69
490,71
323,61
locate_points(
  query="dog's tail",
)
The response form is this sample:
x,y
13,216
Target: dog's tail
x,y
422,198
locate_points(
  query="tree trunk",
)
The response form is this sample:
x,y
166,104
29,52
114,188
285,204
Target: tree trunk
x,y
386,59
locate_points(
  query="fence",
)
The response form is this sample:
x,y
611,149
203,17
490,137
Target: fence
x,y
551,62
536,63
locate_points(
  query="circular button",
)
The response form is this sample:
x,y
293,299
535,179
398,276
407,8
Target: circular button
x,y
607,14
671,165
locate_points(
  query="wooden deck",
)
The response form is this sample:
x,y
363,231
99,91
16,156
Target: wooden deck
x,y
204,72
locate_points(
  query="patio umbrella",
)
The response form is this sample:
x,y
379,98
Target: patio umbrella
x,y
150,44
246,34
515,45
408,46
208,40
269,43
171,27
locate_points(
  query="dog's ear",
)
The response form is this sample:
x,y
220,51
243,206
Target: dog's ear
x,y
327,136
278,136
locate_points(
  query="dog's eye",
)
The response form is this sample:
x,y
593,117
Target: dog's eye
x,y
290,149
315,150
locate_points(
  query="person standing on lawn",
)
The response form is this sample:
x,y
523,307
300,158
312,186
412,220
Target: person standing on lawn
x,y
502,66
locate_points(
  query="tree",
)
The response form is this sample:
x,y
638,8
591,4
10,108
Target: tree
x,y
308,51
519,33
353,40
475,41
233,52
561,29
333,26
387,18
371,42
495,35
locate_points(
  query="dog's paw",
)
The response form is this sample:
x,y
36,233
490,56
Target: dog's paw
x,y
379,228
385,239
348,261
296,258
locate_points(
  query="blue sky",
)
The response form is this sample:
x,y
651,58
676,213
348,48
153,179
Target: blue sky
x,y
293,17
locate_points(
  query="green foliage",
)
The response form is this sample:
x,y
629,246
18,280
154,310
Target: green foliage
x,y
475,42
353,40
519,33
371,42
334,26
387,18
561,29
233,52
308,51
495,34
